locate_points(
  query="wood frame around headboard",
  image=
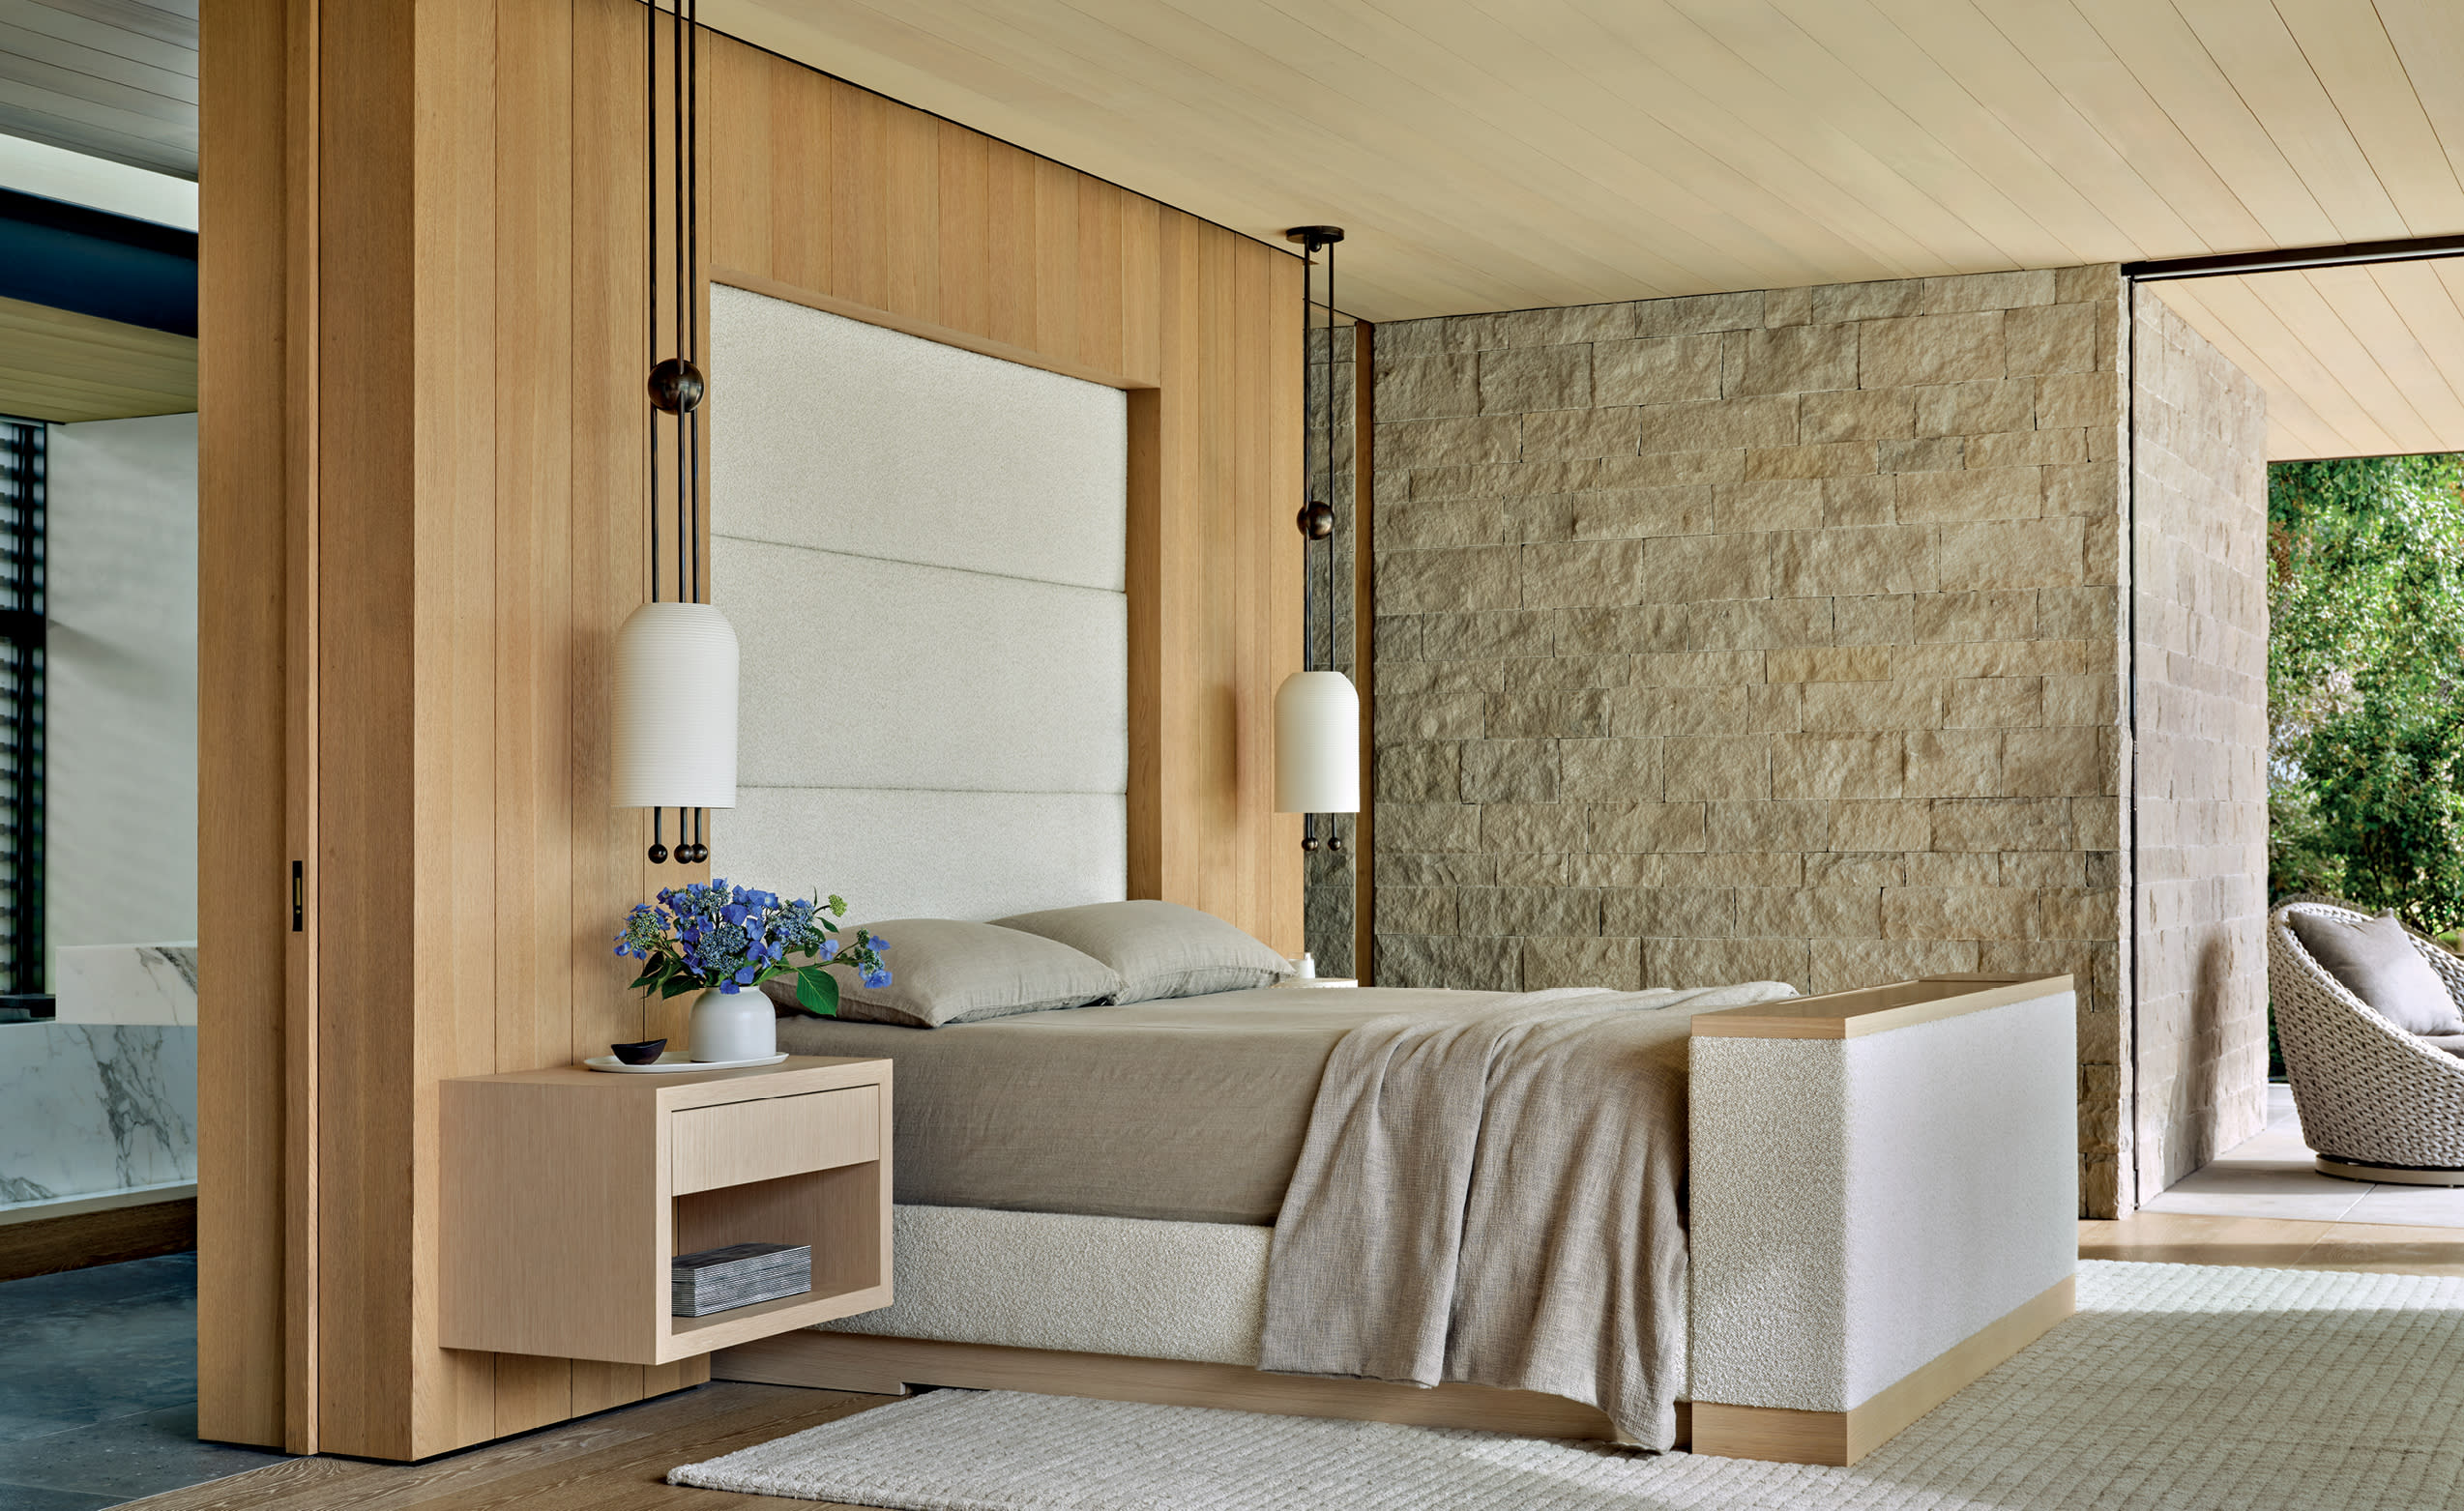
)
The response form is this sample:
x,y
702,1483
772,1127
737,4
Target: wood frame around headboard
x,y
421,520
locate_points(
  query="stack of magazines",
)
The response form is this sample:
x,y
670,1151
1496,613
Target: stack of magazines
x,y
741,1274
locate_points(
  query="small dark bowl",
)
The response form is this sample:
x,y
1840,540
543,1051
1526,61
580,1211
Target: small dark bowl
x,y
645,1053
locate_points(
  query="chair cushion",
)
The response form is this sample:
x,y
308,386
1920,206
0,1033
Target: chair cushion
x,y
2452,1043
2377,962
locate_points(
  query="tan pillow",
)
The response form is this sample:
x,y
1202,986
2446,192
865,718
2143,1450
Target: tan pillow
x,y
944,972
2378,962
1160,948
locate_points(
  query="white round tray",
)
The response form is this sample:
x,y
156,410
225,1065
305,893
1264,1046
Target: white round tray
x,y
672,1062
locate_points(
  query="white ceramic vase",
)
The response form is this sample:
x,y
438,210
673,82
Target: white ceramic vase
x,y
732,1026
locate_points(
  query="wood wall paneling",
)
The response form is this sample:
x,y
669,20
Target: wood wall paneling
x,y
408,664
249,497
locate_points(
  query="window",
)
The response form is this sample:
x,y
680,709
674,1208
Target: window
x,y
21,690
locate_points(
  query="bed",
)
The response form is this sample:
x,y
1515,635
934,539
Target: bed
x,y
1875,1194
1872,1195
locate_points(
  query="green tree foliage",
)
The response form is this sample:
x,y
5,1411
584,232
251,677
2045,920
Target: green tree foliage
x,y
2366,770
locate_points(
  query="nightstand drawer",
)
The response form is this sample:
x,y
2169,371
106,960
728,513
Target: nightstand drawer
x,y
739,1141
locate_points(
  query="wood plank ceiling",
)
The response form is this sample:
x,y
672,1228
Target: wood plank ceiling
x,y
110,78
1507,154
114,79
2357,362
62,366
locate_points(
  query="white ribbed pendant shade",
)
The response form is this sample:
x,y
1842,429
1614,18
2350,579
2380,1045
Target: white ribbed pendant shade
x,y
1317,745
675,709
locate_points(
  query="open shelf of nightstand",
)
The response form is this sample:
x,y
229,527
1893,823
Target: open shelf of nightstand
x,y
568,1194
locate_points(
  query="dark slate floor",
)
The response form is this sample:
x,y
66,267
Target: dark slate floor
x,y
97,1388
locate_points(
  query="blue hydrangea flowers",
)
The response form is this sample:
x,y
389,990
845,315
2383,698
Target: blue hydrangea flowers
x,y
710,936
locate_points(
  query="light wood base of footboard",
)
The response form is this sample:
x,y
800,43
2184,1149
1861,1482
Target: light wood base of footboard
x,y
1842,1437
888,1366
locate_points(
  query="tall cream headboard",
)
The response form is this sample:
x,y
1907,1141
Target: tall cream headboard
x,y
922,550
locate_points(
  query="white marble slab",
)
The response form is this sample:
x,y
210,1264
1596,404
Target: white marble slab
x,y
91,1108
125,983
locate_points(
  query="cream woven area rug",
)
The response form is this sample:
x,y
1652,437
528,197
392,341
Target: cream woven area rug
x,y
2176,1388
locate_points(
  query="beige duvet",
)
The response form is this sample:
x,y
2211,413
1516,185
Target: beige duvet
x,y
1496,1194
1186,1110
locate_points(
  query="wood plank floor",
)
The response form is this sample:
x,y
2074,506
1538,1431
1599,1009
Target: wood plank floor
x,y
2276,1243
617,1461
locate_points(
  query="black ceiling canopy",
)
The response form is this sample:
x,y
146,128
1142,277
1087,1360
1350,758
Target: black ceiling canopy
x,y
95,263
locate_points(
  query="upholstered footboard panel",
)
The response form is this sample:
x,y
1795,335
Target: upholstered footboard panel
x,y
1885,1194
1092,1285
1116,1308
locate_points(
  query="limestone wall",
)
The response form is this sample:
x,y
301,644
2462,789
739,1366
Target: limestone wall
x,y
2200,621
1329,922
1772,634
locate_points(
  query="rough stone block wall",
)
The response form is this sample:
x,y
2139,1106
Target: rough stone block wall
x,y
1330,899
2200,616
1772,634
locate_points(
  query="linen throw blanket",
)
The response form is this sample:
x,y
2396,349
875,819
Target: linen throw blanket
x,y
1497,1196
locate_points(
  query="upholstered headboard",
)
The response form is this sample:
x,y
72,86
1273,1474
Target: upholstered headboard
x,y
922,551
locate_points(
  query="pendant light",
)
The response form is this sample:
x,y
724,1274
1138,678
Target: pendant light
x,y
675,703
1317,713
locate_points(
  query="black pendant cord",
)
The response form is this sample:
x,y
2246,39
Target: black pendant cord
x,y
650,268
1334,833
676,382
1308,578
1317,514
690,296
683,296
689,304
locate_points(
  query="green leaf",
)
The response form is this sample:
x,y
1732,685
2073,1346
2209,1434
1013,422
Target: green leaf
x,y
817,991
678,985
657,967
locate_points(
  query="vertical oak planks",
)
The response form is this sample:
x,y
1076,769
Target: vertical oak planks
x,y
532,675
251,503
426,336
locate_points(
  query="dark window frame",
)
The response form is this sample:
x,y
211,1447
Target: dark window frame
x,y
24,529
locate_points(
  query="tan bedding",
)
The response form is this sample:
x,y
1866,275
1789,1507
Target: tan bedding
x,y
1188,1110
1497,1195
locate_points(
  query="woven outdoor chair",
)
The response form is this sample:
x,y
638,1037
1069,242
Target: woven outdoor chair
x,y
2376,1103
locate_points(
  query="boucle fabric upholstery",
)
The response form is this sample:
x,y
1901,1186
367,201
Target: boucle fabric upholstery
x,y
1088,1285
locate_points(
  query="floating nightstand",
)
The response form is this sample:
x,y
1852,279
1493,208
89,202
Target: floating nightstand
x,y
568,1194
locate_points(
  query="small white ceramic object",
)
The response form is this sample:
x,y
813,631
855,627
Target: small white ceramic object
x,y
1306,965
670,1064
732,1026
